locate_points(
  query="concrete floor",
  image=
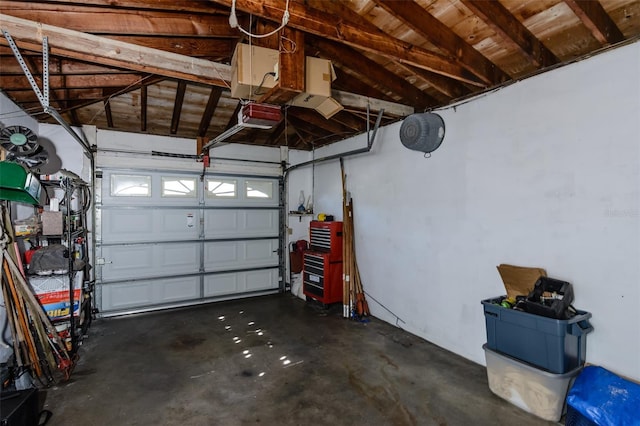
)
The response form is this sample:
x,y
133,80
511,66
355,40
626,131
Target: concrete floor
x,y
271,360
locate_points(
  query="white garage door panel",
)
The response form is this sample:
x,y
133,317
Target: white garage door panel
x,y
141,294
125,225
240,223
239,282
168,238
261,280
134,225
225,255
149,260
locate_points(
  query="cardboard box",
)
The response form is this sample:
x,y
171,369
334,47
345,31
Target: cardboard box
x,y
519,280
319,74
250,66
56,304
51,223
53,293
329,107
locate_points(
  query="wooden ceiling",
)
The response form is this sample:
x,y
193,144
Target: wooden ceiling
x,y
162,66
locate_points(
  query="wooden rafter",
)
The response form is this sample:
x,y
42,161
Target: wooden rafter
x,y
318,23
143,108
350,83
291,69
63,95
112,92
20,82
276,134
107,112
450,89
207,115
100,20
422,22
177,106
349,120
373,71
312,117
596,19
496,16
198,47
101,50
162,5
57,66
233,120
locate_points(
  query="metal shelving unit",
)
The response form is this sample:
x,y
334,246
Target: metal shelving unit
x,y
74,207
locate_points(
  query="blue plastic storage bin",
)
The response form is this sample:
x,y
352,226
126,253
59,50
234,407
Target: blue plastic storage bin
x,y
599,397
558,346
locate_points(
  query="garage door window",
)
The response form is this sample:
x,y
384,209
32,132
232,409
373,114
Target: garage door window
x,y
130,186
219,188
259,189
179,187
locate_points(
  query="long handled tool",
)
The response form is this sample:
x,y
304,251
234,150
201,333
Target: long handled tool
x,y
354,300
346,303
34,336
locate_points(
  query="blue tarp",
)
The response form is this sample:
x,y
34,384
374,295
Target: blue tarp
x,y
605,398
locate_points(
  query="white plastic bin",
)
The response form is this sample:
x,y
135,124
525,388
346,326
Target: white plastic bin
x,y
537,391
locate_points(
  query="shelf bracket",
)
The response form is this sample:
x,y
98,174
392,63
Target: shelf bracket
x,y
43,95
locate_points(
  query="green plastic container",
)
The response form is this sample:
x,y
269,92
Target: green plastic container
x,y
17,184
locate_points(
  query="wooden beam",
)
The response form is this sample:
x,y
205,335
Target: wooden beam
x,y
309,128
100,20
57,66
143,108
207,115
446,86
61,94
101,50
217,49
374,72
352,100
292,65
450,88
17,82
163,5
233,120
177,107
499,19
426,25
341,30
596,19
347,119
312,117
276,134
291,69
107,111
349,83
112,92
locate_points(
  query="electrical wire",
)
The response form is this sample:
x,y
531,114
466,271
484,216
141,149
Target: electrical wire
x,y
264,77
119,92
233,22
292,48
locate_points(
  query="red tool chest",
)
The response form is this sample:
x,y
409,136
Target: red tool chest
x,y
322,263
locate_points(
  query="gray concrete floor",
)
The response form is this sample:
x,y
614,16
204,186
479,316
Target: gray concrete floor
x,y
271,360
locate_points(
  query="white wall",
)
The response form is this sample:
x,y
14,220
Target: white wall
x,y
543,173
12,115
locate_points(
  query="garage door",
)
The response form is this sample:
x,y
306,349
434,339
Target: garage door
x,y
167,239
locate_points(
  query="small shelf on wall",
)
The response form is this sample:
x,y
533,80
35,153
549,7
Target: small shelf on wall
x,y
300,214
